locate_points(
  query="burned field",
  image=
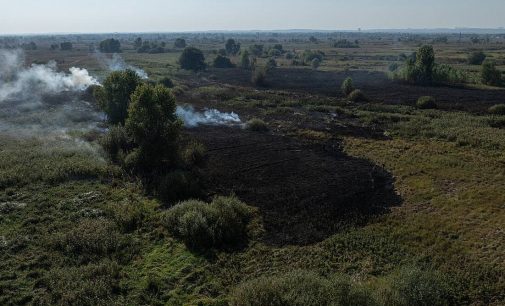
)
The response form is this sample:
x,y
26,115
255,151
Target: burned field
x,y
371,196
305,192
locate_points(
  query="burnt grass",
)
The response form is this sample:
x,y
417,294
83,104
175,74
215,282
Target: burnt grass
x,y
304,192
375,84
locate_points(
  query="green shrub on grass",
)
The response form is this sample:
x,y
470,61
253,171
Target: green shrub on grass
x,y
358,96
256,125
115,143
193,154
498,109
221,223
426,102
301,288
347,86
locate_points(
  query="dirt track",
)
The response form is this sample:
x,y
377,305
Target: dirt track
x,y
304,192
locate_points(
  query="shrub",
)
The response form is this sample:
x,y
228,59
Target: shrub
x,y
110,45
426,102
192,59
114,96
315,63
65,46
232,47
344,43
180,43
257,125
490,75
447,74
223,62
259,76
358,96
245,61
498,109
271,64
116,143
411,286
309,56
221,223
177,185
476,58
300,288
167,82
347,86
193,153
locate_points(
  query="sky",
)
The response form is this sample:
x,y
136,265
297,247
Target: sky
x,y
99,16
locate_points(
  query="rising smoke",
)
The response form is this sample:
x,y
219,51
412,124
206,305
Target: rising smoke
x,y
40,100
117,63
193,118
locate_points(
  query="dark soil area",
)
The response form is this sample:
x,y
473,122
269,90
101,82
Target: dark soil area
x,y
305,192
376,85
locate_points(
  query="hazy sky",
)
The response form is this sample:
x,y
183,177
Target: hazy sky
x,y
40,16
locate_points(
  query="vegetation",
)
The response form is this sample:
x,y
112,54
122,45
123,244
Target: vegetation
x,y
223,62
192,59
344,43
426,102
114,96
66,46
498,109
245,61
110,45
180,43
347,86
232,47
476,58
490,75
257,125
357,96
221,223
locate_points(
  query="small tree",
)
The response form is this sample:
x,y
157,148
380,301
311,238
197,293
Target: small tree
x,y
180,43
245,61
232,47
476,58
347,86
137,43
192,59
154,127
490,75
110,45
425,61
315,63
223,62
114,96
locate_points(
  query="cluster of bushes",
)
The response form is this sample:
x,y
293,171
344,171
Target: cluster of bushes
x,y
192,59
476,58
409,286
144,134
66,46
490,75
344,43
426,102
353,94
152,47
256,125
221,223
223,62
110,45
309,55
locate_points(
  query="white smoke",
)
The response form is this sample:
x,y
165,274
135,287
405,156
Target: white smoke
x,y
117,63
39,100
193,118
15,80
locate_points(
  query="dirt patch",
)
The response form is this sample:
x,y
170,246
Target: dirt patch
x,y
305,192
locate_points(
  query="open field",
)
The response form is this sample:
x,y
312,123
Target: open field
x,y
360,190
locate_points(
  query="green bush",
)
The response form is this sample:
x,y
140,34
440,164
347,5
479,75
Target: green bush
x,y
193,154
358,96
257,125
490,75
167,82
271,64
116,143
476,58
347,86
315,63
259,76
177,185
192,59
222,223
222,62
301,288
245,61
498,109
426,102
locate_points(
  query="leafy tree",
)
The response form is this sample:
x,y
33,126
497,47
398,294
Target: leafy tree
x,y
192,59
114,96
425,61
245,61
476,58
110,45
347,86
154,128
180,43
137,43
223,62
256,50
490,75
65,46
232,47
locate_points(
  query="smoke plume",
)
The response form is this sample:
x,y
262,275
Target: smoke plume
x,y
193,118
39,100
117,63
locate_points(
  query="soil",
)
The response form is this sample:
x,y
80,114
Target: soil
x,y
304,192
